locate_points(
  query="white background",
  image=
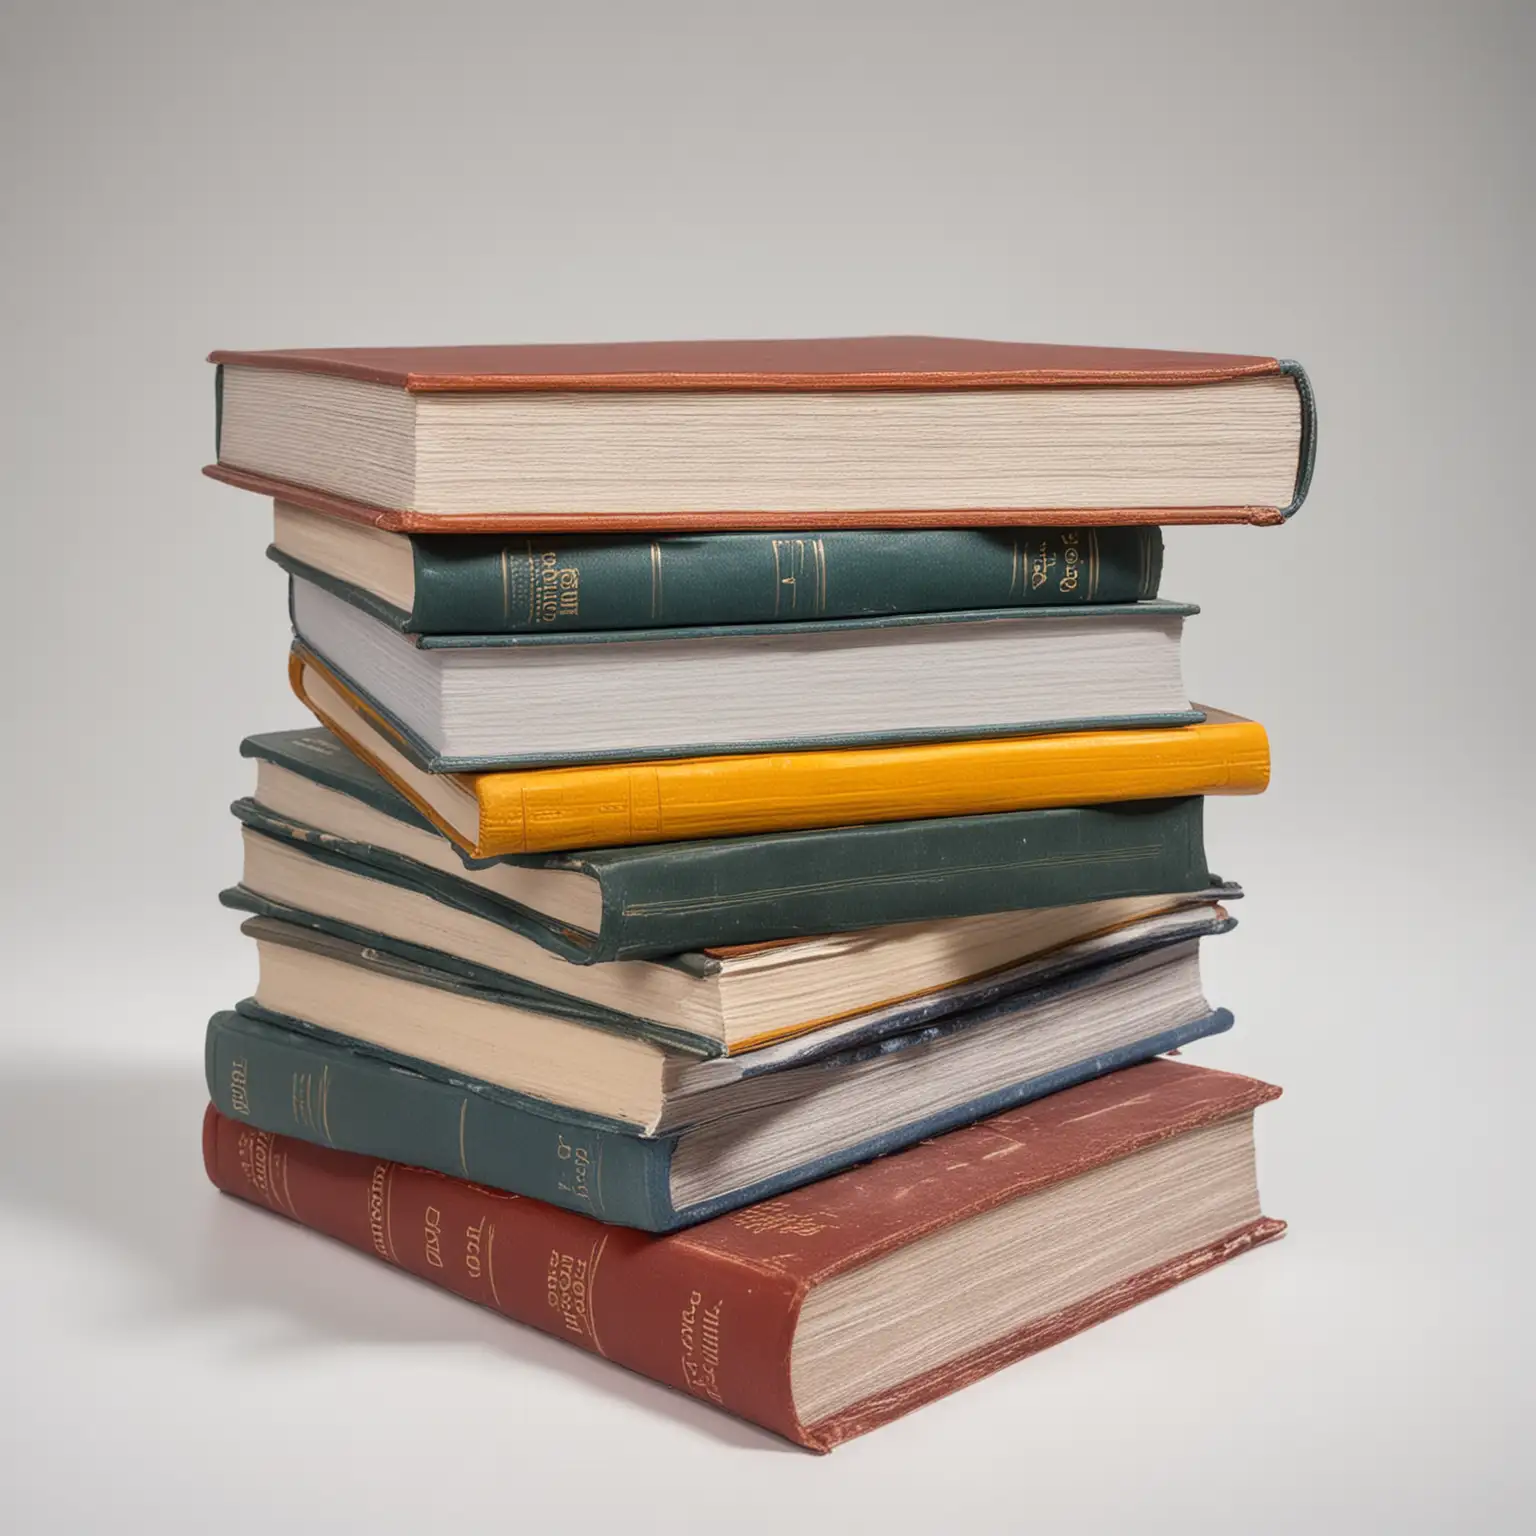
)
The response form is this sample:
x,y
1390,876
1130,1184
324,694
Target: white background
x,y
1346,184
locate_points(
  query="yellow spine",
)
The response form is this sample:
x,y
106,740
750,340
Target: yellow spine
x,y
616,804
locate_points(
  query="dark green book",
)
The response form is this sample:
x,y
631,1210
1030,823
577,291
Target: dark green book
x,y
485,585
670,898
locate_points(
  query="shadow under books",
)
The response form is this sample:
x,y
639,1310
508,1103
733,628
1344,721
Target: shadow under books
x,y
116,1156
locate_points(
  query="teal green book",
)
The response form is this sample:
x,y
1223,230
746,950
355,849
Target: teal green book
x,y
281,1075
665,899
467,584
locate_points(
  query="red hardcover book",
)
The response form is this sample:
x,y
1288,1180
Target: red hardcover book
x,y
854,432
831,1310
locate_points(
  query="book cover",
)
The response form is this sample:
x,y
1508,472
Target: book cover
x,y
826,367
484,585
665,899
713,1311
282,1074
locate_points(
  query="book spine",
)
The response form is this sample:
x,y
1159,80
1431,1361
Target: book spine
x,y
277,1080
710,1326
623,804
743,890
470,585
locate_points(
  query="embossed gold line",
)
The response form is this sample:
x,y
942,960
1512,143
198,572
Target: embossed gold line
x,y
597,1254
1093,562
776,578
463,1161
655,579
287,1194
821,577
325,1101
528,546
1013,574
490,1259
506,588
389,1236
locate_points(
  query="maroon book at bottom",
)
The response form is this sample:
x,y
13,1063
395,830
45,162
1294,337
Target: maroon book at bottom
x,y
831,1310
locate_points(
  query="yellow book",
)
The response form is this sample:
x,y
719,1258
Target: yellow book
x,y
609,805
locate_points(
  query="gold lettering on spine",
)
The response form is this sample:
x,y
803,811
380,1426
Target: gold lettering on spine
x,y
377,1187
262,1165
555,589
243,1148
239,1086
480,1254
1042,565
565,1290
699,1338
253,1161
568,1290
1071,563
433,1226
778,1216
575,1178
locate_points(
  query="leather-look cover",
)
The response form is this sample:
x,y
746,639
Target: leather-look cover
x,y
670,898
394,521
746,890
468,585
622,804
841,363
281,1074
713,1311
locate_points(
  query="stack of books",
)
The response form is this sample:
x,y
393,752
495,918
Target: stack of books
x,y
747,870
